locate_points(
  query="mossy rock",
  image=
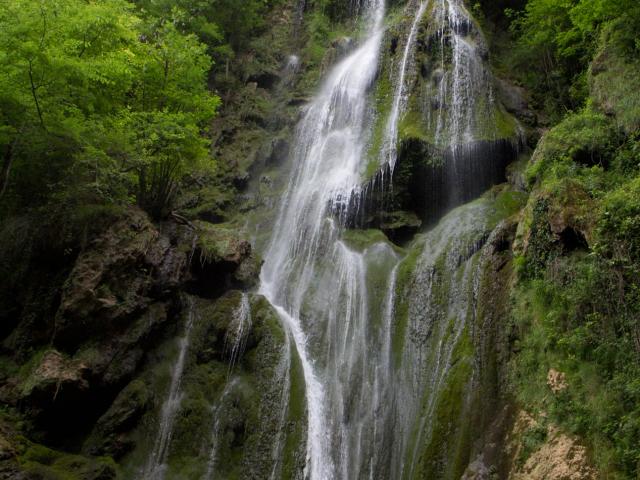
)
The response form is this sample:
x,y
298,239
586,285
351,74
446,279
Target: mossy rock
x,y
22,458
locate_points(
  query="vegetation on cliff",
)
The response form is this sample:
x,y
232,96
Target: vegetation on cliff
x,y
576,304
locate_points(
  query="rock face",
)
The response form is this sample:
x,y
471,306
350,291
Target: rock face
x,y
222,260
123,296
111,434
121,275
559,458
55,379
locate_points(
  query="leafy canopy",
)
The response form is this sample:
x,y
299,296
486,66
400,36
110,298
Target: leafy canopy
x,y
93,98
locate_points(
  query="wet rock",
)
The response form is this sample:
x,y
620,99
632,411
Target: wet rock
x,y
7,449
343,45
477,470
219,244
515,174
400,225
41,463
241,180
279,151
274,152
514,100
113,361
266,80
298,101
337,50
247,275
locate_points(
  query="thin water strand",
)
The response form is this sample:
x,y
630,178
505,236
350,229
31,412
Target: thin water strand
x,y
390,145
216,431
156,464
238,332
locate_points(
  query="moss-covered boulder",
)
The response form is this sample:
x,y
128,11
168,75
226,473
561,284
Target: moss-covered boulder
x,y
111,434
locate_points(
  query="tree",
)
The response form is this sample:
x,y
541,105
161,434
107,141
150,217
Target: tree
x,y
77,78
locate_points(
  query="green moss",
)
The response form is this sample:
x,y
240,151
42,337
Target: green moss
x,y
506,203
406,271
293,456
360,240
382,103
412,128
506,126
447,453
55,465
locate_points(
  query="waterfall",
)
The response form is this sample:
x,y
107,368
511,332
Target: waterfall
x,y
331,345
376,335
390,143
465,93
155,468
440,302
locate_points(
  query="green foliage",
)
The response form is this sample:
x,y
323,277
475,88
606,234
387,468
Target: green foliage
x,y
582,141
578,308
95,101
225,26
556,40
614,77
532,439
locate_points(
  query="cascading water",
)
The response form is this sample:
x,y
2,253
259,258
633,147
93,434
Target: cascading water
x,y
466,120
330,340
440,303
155,468
372,386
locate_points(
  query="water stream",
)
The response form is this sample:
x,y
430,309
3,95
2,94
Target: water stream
x,y
236,337
218,420
155,468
